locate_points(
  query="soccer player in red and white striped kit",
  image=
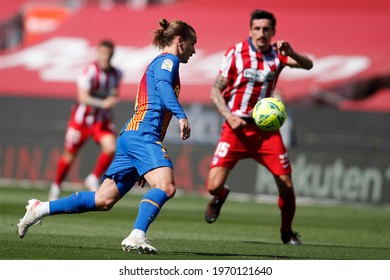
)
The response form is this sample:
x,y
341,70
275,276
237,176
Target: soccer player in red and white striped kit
x,y
91,117
249,72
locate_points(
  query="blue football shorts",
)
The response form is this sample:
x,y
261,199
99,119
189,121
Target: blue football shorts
x,y
137,153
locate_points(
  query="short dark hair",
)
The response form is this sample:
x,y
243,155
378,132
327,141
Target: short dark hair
x,y
260,14
107,43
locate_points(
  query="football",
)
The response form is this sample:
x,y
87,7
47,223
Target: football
x,y
269,114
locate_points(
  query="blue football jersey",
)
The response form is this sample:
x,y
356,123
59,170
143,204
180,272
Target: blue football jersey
x,y
157,97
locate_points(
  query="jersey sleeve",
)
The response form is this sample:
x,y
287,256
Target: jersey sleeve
x,y
165,73
227,66
119,76
85,78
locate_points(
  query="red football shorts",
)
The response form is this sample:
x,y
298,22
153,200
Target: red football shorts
x,y
76,135
265,147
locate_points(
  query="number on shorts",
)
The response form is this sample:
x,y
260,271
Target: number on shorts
x,y
72,136
222,149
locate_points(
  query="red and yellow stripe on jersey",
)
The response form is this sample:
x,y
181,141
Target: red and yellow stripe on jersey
x,y
140,106
157,97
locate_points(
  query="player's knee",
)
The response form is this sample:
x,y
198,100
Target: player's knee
x,y
169,189
284,183
108,145
213,187
287,181
105,205
68,157
111,150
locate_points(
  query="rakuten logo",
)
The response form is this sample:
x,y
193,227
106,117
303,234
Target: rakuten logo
x,y
335,180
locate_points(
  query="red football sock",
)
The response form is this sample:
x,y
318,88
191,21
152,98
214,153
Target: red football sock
x,y
222,192
62,171
102,164
286,204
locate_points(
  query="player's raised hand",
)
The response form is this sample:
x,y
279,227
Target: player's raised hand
x,y
283,47
185,129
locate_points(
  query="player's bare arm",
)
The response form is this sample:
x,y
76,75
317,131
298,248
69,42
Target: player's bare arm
x,y
110,101
295,59
219,86
85,98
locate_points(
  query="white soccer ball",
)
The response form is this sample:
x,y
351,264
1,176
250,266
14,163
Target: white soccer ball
x,y
269,114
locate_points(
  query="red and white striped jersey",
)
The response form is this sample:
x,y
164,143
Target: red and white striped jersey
x,y
252,75
99,83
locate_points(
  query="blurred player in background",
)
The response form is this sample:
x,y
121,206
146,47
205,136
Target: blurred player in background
x,y
249,72
90,117
140,155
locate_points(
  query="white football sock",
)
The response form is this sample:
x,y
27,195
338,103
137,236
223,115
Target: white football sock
x,y
137,233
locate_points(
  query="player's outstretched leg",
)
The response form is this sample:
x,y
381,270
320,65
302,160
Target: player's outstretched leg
x,y
214,207
78,202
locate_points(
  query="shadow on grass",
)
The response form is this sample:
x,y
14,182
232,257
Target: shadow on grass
x,y
322,245
242,256
235,256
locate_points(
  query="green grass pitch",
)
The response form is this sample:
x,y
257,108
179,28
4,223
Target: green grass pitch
x,y
244,231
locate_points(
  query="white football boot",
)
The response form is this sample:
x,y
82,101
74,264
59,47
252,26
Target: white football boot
x,y
30,218
140,245
92,182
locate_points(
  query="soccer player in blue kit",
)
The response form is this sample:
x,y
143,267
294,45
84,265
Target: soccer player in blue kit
x,y
140,154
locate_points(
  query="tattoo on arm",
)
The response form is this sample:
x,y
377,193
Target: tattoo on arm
x,y
220,84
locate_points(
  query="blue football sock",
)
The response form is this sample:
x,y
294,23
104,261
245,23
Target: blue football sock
x,y
79,202
149,208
